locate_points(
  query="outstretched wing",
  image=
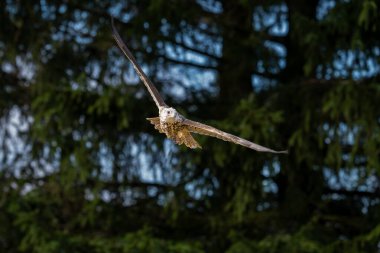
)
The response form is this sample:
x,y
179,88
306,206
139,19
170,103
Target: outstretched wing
x,y
144,78
200,128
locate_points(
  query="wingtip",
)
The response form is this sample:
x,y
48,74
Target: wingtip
x,y
274,151
115,33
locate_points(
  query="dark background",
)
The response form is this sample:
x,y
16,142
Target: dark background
x,y
81,170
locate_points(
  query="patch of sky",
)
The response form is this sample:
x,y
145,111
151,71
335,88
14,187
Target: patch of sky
x,y
14,152
75,29
106,160
279,52
62,9
350,179
165,27
204,186
186,76
148,171
260,83
24,67
131,77
323,8
119,10
351,64
7,67
269,186
273,17
47,11
149,174
181,54
270,170
11,7
181,79
120,70
345,133
278,48
213,6
201,42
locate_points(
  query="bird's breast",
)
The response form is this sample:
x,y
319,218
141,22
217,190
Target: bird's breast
x,y
171,129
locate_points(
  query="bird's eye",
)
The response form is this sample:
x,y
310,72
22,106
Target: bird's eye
x,y
168,112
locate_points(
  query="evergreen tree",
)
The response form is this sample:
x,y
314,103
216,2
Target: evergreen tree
x,y
81,170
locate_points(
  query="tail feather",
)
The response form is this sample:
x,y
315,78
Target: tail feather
x,y
184,137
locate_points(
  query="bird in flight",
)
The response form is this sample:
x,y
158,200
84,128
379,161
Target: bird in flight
x,y
174,125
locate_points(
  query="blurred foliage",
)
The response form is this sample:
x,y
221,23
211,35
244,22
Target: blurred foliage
x,y
81,170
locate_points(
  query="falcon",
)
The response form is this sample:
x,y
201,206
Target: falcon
x,y
173,124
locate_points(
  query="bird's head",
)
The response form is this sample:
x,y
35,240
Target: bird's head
x,y
169,115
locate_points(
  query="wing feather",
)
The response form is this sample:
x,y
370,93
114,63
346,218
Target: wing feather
x,y
144,78
204,129
156,122
184,137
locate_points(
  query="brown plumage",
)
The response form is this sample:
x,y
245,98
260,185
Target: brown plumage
x,y
179,133
174,125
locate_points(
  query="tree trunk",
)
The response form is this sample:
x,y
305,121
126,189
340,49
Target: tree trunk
x,y
295,63
234,73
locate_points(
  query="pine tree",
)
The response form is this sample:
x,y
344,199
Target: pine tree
x,y
81,170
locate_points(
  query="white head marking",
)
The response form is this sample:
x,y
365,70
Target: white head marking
x,y
169,115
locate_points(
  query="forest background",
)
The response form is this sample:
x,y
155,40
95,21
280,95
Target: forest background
x,y
81,170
